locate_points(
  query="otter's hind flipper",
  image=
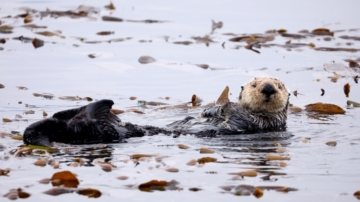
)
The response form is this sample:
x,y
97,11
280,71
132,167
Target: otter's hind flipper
x,y
211,112
99,110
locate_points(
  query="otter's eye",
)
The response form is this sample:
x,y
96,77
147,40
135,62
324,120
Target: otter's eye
x,y
254,85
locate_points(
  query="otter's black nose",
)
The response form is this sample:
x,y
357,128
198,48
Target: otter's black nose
x,y
268,90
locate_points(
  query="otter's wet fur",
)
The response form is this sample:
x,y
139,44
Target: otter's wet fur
x,y
93,123
261,107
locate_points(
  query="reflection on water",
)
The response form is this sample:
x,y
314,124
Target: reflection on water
x,y
92,52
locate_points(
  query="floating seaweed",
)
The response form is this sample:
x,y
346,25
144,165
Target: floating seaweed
x,y
347,89
111,19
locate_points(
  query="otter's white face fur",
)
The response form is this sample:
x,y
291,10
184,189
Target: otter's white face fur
x,y
264,95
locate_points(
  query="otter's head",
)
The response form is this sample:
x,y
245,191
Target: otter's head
x,y
265,95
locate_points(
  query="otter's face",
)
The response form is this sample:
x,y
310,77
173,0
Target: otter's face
x,y
264,94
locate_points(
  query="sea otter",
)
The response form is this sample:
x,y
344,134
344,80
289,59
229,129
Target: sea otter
x,y
261,107
93,123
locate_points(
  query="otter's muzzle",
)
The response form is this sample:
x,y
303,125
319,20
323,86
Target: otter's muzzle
x,y
268,90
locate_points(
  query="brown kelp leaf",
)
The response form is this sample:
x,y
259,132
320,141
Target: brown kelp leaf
x,y
322,32
282,164
206,151
216,25
158,185
347,89
135,111
4,172
44,114
29,112
111,19
276,157
304,31
44,95
93,55
357,194
2,40
252,39
182,146
153,185
305,140
356,38
354,104
12,194
58,191
28,20
295,93
250,47
45,181
192,162
33,26
172,170
105,33
248,173
5,29
132,98
55,165
21,87
352,50
331,143
294,109
294,36
195,189
324,108
146,59
2,86
122,178
280,31
258,193
6,120
4,134
89,192
224,97
146,21
153,103
206,160
322,92
280,150
50,34
71,98
65,178
110,6
195,100
117,111
88,99
277,188
40,162
183,42
22,194
17,137
137,156
204,66
74,164
106,167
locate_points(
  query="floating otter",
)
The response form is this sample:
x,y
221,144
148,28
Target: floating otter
x,y
93,123
261,107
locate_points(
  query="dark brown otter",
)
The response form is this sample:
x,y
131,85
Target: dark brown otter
x,y
93,123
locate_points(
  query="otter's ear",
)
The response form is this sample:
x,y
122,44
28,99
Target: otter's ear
x,y
242,87
289,94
